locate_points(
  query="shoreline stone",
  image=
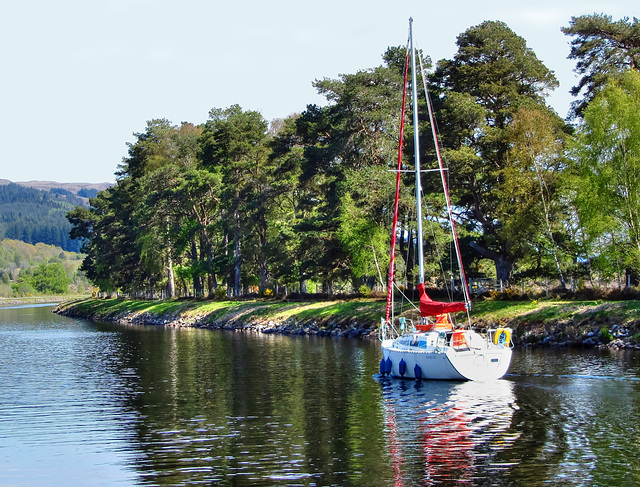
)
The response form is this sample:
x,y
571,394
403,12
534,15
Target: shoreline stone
x,y
587,334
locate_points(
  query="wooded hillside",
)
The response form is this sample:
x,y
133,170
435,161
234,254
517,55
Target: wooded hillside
x,y
29,270
37,215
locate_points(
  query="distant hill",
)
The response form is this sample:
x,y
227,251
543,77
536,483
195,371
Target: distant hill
x,y
35,211
47,185
80,190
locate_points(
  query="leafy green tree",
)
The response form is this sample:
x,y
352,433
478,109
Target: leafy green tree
x,y
607,155
132,229
234,144
178,223
152,149
49,278
285,248
114,252
82,220
366,242
355,134
533,206
491,77
603,48
161,213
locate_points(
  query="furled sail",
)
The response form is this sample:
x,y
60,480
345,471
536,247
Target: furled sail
x,y
429,307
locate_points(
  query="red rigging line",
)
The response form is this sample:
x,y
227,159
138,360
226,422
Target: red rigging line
x,y
392,255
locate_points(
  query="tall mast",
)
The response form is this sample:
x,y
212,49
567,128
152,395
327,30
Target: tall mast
x,y
416,143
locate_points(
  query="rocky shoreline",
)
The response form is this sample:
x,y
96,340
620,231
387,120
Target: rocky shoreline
x,y
602,327
334,328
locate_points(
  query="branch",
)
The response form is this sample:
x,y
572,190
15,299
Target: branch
x,y
489,254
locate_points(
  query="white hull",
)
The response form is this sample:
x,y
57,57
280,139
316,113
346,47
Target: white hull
x,y
482,360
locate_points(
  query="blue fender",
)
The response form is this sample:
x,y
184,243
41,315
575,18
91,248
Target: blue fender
x,y
387,366
417,372
402,367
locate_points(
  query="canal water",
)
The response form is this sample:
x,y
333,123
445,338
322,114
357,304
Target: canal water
x,y
85,403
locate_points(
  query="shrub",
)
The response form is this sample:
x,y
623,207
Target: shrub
x,y
364,290
605,335
220,293
23,289
6,291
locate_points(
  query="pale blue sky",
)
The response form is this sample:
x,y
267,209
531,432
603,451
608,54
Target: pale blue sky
x,y
80,76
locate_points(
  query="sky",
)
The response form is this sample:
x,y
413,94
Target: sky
x,y
80,77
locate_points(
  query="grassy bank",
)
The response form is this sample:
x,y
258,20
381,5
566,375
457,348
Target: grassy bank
x,y
589,323
259,314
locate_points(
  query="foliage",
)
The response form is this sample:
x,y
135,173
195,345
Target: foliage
x,y
604,49
605,334
220,293
234,206
364,290
493,82
534,205
607,157
49,279
27,270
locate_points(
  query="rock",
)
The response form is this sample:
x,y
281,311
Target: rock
x,y
616,344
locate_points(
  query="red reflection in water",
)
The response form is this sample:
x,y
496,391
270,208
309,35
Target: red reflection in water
x,y
448,446
440,425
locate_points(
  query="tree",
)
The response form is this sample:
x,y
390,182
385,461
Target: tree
x,y
355,134
285,248
152,149
49,278
607,156
160,206
603,48
235,145
534,206
491,77
82,220
178,206
113,253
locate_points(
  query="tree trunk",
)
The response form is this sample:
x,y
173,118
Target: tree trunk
x,y
172,283
263,266
504,269
504,265
205,244
197,281
237,268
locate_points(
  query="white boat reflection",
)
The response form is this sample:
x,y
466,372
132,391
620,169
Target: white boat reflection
x,y
450,428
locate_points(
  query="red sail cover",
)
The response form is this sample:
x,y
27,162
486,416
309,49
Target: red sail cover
x,y
428,307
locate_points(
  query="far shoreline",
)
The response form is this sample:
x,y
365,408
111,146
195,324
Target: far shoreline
x,y
34,300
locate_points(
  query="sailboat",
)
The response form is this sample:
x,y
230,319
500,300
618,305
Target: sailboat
x,y
435,348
